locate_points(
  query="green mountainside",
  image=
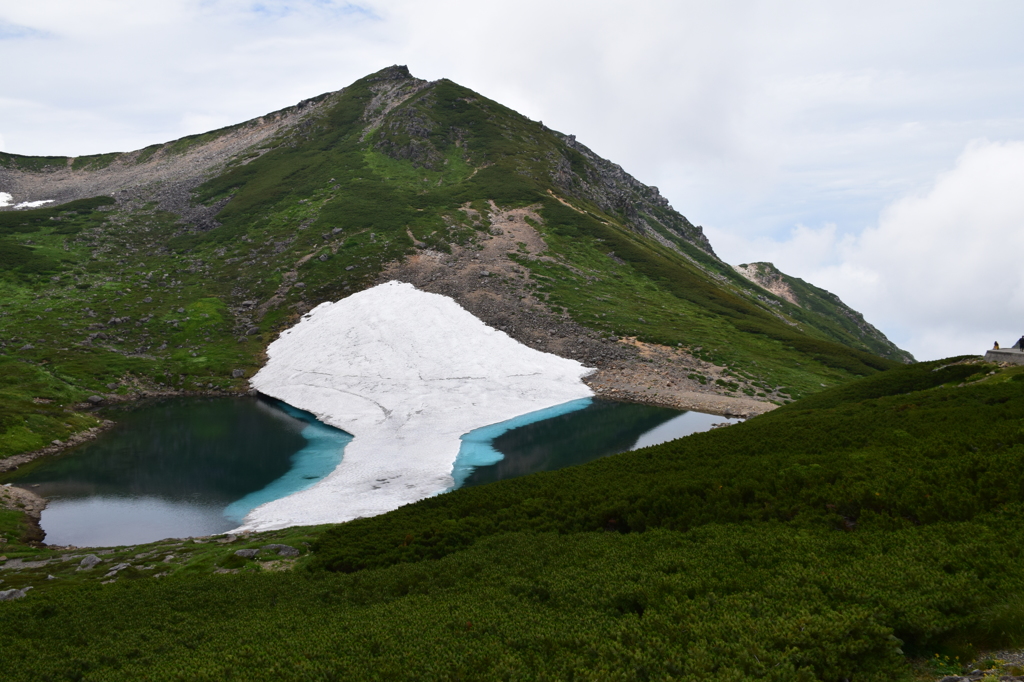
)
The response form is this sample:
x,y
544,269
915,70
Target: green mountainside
x,y
171,268
820,307
869,532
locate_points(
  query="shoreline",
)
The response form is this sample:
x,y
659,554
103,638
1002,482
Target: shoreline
x,y
14,461
688,401
604,384
17,498
22,499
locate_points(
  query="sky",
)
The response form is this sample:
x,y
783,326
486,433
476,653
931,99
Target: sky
x,y
875,149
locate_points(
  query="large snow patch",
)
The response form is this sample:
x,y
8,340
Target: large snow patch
x,y
407,373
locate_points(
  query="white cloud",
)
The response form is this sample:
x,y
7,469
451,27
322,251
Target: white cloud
x,y
947,264
941,271
806,249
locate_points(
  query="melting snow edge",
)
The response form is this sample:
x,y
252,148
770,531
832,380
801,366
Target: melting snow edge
x,y
407,373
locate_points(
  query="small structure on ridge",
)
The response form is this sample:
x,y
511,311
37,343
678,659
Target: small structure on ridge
x,y
1013,355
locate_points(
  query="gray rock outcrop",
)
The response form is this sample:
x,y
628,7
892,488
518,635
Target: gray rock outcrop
x,y
282,550
88,562
11,595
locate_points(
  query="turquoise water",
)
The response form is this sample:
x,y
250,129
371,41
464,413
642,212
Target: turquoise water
x,y
477,449
322,453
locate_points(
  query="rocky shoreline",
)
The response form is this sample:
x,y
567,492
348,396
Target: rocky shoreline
x,y
663,376
14,461
708,403
21,499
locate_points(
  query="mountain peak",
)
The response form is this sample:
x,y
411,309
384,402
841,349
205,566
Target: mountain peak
x,y
392,73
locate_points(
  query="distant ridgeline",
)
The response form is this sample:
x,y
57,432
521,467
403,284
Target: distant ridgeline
x,y
174,266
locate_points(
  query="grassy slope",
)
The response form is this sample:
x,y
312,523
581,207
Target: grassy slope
x,y
71,270
660,297
746,566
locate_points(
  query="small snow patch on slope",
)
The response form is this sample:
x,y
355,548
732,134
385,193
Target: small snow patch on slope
x,y
33,204
407,373
6,199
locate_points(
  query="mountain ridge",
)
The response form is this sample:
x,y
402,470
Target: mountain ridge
x,y
810,297
211,245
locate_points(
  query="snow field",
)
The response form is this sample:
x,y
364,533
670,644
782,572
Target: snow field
x,y
406,373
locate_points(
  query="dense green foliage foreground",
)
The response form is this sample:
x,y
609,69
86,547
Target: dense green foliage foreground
x,y
835,538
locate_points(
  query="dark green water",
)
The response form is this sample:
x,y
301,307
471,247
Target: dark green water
x,y
216,449
168,469
604,427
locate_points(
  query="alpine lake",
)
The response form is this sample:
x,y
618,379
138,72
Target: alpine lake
x,y
191,467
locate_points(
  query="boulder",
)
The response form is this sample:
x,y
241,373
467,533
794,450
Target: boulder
x,y
88,562
247,553
11,595
114,570
95,399
282,550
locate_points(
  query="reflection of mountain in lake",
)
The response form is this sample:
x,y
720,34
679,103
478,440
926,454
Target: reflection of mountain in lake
x,y
604,428
207,450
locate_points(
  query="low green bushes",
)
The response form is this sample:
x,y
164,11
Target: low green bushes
x,y
895,460
812,543
760,601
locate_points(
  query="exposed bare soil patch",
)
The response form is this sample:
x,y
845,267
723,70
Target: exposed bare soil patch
x,y
485,281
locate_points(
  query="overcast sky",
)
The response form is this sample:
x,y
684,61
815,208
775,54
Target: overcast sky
x,y
875,149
